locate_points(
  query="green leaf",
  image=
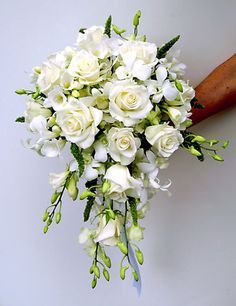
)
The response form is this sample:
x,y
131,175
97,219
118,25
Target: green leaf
x,y
133,210
76,152
82,30
161,52
20,119
107,30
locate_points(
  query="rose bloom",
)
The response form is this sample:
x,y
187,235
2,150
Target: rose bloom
x,y
79,123
122,145
164,138
129,102
85,66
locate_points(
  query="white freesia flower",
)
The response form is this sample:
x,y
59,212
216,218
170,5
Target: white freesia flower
x,y
129,102
108,233
121,183
137,59
56,99
79,122
48,148
34,109
175,69
67,81
57,180
85,66
178,115
96,42
86,237
135,232
164,139
122,145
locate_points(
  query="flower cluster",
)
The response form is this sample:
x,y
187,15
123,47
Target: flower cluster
x,y
123,107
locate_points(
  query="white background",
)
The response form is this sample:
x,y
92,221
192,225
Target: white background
x,y
190,250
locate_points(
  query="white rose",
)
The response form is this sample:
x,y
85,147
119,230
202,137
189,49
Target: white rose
x,y
121,183
122,145
34,109
56,99
85,66
138,59
79,123
94,41
49,76
57,180
129,102
164,138
108,233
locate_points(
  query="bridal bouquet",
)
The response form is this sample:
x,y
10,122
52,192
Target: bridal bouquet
x,y
122,106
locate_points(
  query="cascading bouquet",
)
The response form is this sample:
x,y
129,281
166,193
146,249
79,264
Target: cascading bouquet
x,y
123,107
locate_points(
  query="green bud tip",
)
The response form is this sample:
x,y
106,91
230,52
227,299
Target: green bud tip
x,y
225,144
54,197
136,18
45,229
105,186
139,256
107,261
20,91
106,275
195,151
111,213
86,193
58,217
123,248
118,30
45,216
94,283
91,269
96,271
122,272
178,85
199,138
217,157
135,275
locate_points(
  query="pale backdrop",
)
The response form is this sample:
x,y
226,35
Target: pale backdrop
x,y
190,250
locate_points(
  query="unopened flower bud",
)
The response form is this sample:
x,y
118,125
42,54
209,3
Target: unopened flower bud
x,y
122,272
45,216
143,38
139,256
178,85
54,197
94,283
58,217
123,248
45,229
106,275
212,142
75,93
96,271
107,261
118,30
217,157
86,193
51,121
136,18
135,275
72,188
195,151
111,213
199,138
105,186
21,92
56,129
91,269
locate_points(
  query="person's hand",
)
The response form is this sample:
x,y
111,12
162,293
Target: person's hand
x,y
217,91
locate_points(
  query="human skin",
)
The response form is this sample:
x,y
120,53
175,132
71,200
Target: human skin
x,y
217,91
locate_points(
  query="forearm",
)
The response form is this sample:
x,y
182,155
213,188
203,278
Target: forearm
x,y
217,91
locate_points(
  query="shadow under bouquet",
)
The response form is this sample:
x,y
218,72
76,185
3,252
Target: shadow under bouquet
x,y
122,105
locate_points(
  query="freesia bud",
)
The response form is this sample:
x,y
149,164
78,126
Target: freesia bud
x,y
56,129
45,229
21,92
178,85
94,283
139,256
122,272
136,18
86,193
199,138
72,188
75,93
54,197
217,157
118,30
195,151
107,261
58,217
105,186
122,246
106,275
96,271
45,216
135,275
